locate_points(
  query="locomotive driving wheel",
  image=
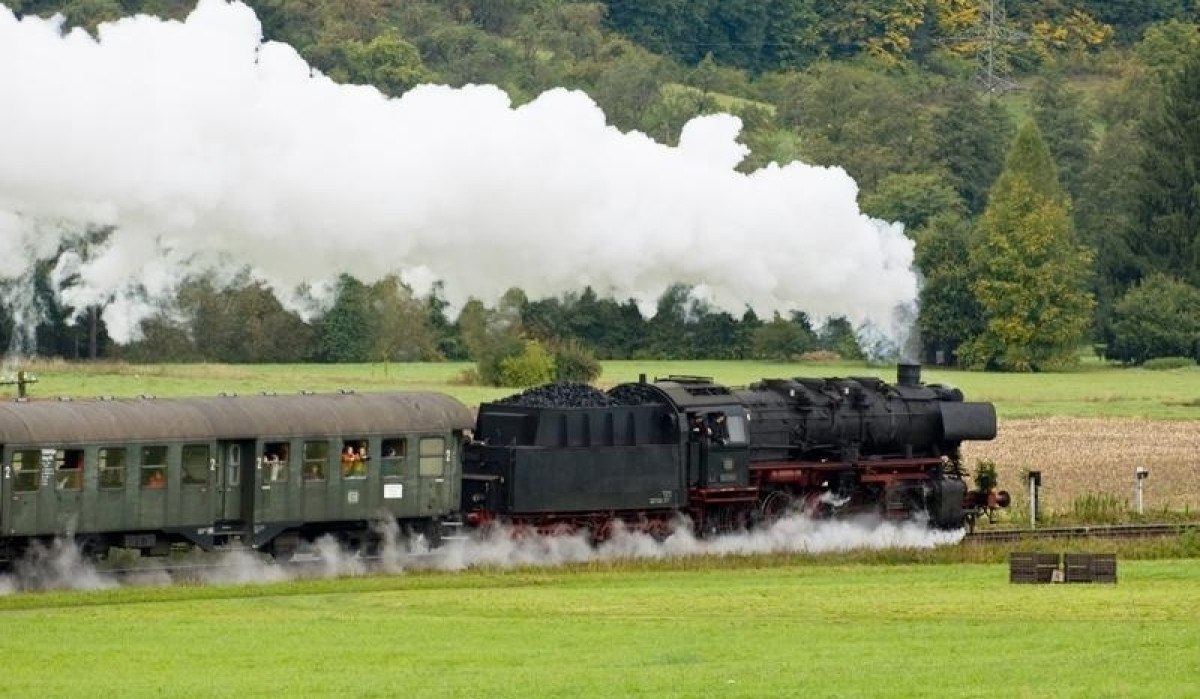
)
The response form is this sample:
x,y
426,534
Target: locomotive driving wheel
x,y
774,505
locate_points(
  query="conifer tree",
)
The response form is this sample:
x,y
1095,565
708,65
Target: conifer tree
x,y
1030,274
1165,238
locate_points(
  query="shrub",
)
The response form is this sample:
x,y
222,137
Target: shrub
x,y
532,367
1164,363
985,474
574,363
1158,318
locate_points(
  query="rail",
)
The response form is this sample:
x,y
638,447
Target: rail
x,y
1107,531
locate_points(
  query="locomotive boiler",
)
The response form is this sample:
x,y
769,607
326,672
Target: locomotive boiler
x,y
728,458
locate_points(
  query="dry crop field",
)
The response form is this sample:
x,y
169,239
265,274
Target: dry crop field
x,y
1082,457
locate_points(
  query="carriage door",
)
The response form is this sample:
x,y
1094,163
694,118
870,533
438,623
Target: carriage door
x,y
434,461
235,481
24,489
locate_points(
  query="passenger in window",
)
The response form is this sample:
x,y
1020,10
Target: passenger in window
x,y
349,460
70,480
274,465
156,480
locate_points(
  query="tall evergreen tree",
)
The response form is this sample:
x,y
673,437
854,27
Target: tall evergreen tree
x,y
949,314
345,332
1030,273
969,136
1066,127
1165,238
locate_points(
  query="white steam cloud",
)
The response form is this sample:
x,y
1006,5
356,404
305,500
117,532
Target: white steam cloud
x,y
200,144
61,567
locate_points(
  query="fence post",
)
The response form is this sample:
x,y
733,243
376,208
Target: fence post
x,y
1140,475
1035,480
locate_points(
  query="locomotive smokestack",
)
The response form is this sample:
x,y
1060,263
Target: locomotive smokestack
x,y
908,374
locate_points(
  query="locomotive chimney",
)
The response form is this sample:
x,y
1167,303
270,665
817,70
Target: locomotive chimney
x,y
908,374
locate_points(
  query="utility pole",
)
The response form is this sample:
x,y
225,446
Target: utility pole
x,y
991,37
22,382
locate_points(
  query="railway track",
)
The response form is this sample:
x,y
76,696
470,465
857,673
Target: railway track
x,y
1114,531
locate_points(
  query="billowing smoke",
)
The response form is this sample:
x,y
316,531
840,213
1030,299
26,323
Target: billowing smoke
x,y
62,568
200,146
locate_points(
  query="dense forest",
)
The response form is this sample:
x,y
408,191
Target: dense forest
x,y
1044,157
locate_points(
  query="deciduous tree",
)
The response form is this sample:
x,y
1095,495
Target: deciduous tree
x,y
1029,273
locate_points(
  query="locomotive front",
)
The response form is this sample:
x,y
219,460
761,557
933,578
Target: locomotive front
x,y
861,444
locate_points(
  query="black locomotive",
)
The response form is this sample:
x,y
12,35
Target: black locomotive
x,y
729,458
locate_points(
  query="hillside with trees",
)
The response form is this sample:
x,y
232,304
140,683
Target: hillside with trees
x,y
1044,157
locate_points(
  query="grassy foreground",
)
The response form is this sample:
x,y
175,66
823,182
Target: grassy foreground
x,y
777,631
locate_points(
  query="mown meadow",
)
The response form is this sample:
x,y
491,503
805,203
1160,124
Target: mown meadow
x,y
753,628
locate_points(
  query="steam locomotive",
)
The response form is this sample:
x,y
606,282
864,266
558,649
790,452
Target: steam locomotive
x,y
728,457
273,472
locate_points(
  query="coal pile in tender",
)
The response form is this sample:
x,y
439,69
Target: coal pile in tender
x,y
561,395
635,394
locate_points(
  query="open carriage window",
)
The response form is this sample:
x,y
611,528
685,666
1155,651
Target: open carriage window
x,y
355,455
275,462
68,469
395,449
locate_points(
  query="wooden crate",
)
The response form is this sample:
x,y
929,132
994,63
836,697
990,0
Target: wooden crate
x,y
1032,568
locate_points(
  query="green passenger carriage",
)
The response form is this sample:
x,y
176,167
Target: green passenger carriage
x,y
265,471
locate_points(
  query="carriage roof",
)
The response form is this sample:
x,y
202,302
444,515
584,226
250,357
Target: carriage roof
x,y
64,422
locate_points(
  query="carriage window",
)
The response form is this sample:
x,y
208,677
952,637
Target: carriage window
x,y
316,457
195,464
26,465
68,469
275,461
233,465
394,451
433,456
354,458
154,467
112,468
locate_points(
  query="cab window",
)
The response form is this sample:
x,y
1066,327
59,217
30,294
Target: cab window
x,y
432,456
316,456
26,465
154,467
112,468
195,463
735,425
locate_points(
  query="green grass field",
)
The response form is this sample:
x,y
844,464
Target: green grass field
x,y
1094,390
741,631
